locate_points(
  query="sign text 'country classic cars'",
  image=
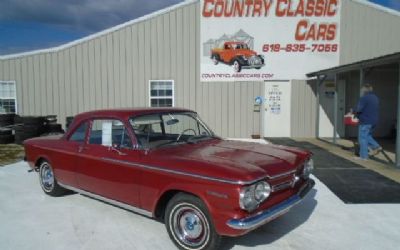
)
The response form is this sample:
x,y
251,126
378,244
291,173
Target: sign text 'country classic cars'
x,y
259,36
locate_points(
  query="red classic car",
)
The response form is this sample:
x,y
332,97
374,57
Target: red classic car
x,y
237,54
167,164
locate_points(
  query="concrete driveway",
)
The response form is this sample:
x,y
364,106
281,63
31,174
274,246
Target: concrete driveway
x,y
29,219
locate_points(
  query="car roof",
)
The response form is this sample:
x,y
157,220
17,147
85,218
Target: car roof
x,y
129,112
120,113
235,42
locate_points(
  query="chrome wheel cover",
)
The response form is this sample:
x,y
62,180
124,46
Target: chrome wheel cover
x,y
189,226
236,66
46,177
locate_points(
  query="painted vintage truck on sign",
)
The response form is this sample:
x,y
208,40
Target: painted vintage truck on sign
x,y
237,54
167,164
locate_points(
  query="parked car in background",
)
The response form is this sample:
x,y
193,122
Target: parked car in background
x,y
237,54
166,163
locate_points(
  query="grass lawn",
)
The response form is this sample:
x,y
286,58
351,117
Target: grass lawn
x,y
11,153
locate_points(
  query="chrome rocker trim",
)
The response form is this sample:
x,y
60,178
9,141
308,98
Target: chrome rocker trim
x,y
109,201
274,212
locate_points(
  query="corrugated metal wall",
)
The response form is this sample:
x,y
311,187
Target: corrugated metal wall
x,y
113,70
367,32
229,107
303,108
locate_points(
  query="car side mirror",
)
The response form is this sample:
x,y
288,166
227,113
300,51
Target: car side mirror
x,y
172,122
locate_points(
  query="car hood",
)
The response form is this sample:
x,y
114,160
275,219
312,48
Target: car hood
x,y
246,52
234,160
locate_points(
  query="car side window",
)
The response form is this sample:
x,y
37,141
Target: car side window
x,y
80,133
109,133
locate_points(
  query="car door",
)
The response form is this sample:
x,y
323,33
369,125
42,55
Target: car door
x,y
104,162
226,53
65,159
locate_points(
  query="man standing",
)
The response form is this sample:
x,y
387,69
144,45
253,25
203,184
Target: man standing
x,y
368,114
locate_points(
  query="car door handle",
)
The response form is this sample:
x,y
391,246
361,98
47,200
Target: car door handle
x,y
114,149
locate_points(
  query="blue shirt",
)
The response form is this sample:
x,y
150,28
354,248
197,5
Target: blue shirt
x,y
368,109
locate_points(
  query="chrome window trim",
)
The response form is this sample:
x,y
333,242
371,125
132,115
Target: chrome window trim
x,y
227,181
107,200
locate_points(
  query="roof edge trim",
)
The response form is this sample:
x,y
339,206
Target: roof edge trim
x,y
101,33
378,7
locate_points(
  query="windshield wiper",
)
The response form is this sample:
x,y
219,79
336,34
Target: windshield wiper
x,y
190,140
166,143
195,138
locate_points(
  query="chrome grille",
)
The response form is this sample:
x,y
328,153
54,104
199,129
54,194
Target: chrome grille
x,y
254,60
286,184
282,186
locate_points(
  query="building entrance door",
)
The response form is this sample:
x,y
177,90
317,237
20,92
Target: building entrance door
x,y
277,109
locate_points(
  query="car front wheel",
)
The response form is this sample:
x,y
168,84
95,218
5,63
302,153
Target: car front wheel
x,y
189,224
48,181
236,66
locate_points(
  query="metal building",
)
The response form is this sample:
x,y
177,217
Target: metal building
x,y
155,60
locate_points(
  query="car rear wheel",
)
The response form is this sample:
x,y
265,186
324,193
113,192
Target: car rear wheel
x,y
236,66
189,224
48,181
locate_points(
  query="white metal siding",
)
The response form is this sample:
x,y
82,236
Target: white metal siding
x,y
113,70
367,32
303,108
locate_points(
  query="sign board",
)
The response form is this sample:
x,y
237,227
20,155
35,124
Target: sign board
x,y
278,109
258,40
274,97
106,136
329,89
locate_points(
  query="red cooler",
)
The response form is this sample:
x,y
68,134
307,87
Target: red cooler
x,y
350,120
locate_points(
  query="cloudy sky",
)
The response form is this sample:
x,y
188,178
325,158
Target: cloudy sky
x,y
35,24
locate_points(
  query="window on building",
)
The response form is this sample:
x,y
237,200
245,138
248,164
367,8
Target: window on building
x,y
162,93
8,97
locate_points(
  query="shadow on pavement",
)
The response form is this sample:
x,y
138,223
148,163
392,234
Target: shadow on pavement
x,y
351,182
277,228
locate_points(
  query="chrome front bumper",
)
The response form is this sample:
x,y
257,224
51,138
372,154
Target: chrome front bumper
x,y
272,213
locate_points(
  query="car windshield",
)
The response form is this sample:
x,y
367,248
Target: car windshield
x,y
156,130
241,46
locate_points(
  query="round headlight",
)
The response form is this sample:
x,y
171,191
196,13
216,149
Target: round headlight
x,y
247,200
252,196
308,168
261,191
